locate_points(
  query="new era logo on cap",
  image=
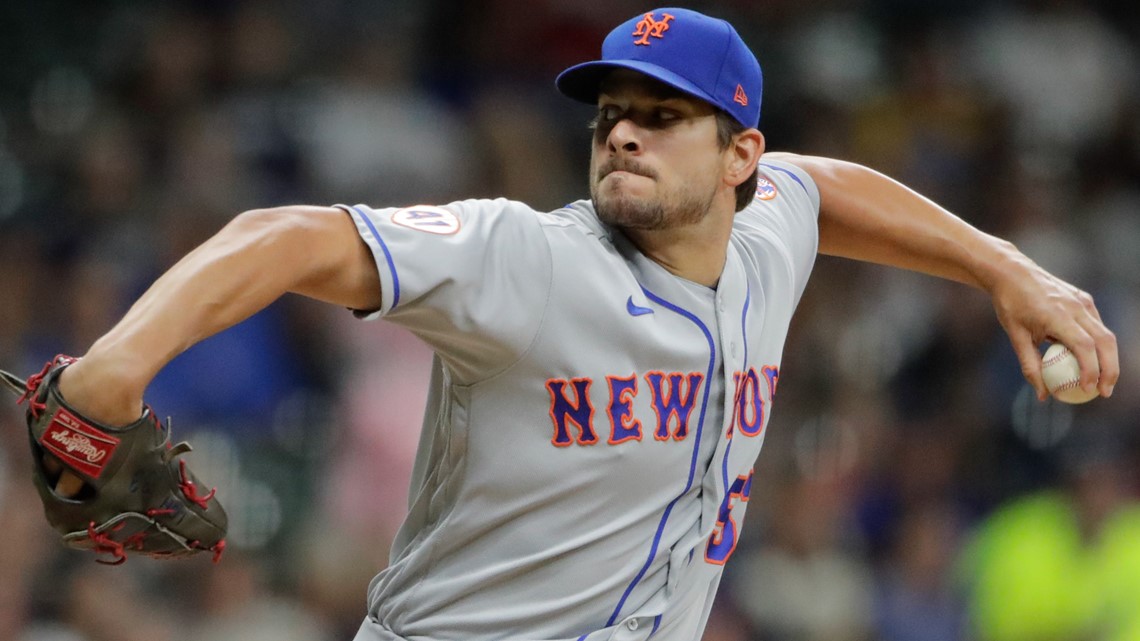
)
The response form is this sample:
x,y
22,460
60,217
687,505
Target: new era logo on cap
x,y
699,55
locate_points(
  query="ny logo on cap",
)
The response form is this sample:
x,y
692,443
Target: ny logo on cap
x,y
649,26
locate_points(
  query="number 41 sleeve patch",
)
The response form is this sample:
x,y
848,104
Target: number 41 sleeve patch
x,y
434,220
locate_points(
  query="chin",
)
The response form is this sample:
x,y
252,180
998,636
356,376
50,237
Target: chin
x,y
628,212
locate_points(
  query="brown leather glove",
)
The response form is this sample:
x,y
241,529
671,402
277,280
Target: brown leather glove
x,y
136,496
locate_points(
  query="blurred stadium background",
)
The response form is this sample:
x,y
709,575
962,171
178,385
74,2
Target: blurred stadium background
x,y
911,489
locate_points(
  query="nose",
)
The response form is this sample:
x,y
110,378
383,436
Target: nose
x,y
625,136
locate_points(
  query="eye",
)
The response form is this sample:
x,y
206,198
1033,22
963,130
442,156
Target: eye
x,y
608,113
666,115
607,117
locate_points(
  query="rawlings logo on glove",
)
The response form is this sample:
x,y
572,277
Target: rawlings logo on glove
x,y
135,497
77,444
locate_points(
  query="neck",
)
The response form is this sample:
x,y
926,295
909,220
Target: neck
x,y
694,252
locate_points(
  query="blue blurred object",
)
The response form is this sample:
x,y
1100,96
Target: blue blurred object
x,y
236,378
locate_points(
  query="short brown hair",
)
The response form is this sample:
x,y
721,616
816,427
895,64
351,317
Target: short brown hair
x,y
726,128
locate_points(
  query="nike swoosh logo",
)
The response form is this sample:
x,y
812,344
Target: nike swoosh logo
x,y
635,309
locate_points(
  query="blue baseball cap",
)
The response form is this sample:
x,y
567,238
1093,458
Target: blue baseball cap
x,y
699,55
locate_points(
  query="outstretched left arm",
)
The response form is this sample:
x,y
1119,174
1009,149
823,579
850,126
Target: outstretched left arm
x,y
867,216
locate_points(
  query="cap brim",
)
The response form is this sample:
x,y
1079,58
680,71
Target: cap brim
x,y
582,82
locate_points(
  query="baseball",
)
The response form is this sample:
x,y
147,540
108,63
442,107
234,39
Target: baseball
x,y
1062,375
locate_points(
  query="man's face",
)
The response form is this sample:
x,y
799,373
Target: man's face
x,y
655,162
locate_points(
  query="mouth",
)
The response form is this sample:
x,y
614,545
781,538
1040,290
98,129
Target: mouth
x,y
624,167
618,173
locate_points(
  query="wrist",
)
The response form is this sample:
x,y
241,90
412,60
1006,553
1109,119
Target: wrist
x,y
103,390
1000,262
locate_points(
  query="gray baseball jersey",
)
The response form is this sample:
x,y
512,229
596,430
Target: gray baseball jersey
x,y
593,420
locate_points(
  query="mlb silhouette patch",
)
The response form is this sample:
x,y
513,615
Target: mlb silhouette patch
x,y
765,190
650,26
433,220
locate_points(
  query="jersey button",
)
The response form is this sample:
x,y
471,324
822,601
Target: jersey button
x,y
632,624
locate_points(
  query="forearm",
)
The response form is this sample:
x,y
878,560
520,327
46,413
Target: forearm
x,y
867,216
255,259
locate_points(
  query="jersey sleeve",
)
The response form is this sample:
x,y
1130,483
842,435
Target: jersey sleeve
x,y
785,211
470,278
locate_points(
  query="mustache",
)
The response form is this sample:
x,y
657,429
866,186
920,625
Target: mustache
x,y
624,164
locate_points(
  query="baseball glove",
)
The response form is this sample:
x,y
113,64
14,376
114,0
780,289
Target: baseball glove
x,y
137,496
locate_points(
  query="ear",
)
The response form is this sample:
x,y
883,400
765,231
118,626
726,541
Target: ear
x,y
742,155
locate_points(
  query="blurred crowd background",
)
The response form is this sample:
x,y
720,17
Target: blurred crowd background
x,y
911,488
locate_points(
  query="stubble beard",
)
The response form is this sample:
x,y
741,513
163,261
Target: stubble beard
x,y
627,212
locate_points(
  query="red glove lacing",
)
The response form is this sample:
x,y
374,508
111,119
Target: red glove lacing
x,y
34,381
191,490
104,544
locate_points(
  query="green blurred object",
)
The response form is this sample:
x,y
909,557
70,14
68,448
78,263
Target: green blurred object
x,y
1034,575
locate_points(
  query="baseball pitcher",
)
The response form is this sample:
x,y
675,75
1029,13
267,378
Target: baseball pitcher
x,y
605,372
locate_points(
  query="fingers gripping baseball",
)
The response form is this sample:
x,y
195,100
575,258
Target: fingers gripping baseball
x,y
1026,348
1034,306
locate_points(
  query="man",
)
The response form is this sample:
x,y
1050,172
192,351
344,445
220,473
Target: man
x,y
604,372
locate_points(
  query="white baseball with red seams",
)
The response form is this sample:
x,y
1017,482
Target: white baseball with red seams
x,y
1062,375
